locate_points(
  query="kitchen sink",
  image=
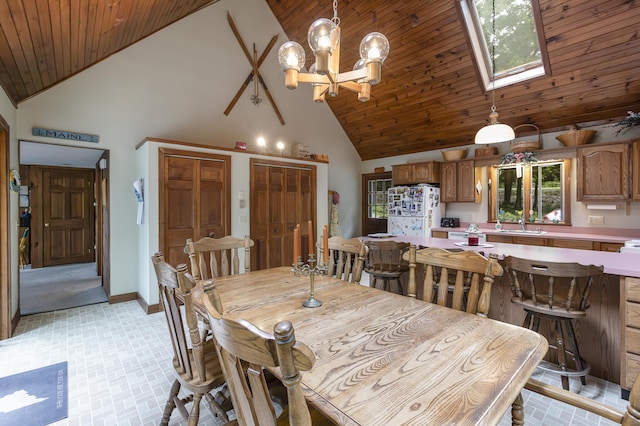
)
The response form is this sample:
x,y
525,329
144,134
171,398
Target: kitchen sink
x,y
520,231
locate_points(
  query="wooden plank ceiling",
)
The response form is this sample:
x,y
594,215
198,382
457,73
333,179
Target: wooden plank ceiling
x,y
43,42
430,96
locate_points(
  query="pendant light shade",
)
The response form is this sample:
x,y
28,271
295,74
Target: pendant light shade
x,y
494,132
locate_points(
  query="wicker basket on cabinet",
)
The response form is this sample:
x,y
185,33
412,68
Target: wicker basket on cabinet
x,y
526,146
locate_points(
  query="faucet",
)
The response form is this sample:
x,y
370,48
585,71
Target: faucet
x,y
522,223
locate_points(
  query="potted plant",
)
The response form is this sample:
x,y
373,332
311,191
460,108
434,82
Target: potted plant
x,y
631,120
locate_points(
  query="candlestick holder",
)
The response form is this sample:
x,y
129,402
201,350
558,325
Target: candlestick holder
x,y
309,269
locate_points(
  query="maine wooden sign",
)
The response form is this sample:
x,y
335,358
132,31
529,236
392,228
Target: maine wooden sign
x,y
61,134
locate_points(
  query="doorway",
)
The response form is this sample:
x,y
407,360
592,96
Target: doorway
x,y
65,192
374,202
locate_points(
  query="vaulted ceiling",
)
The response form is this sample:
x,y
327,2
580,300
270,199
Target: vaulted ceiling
x,y
430,96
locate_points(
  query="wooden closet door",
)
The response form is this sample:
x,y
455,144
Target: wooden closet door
x,y
282,196
194,199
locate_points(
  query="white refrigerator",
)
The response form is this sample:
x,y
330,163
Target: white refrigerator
x,y
414,210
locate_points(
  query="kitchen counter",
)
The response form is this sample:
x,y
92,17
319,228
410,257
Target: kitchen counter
x,y
624,264
550,234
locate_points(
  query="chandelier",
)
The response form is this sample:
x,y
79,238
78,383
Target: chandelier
x,y
494,132
324,75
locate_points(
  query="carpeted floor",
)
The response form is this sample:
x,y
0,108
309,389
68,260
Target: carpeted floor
x,y
60,287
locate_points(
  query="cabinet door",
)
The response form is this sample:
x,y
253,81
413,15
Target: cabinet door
x,y
612,247
428,172
635,172
529,241
573,244
449,184
402,174
603,173
491,238
466,186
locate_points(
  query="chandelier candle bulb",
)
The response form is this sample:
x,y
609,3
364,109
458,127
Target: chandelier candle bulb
x,y
296,246
325,244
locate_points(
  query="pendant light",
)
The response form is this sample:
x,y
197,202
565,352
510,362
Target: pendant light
x,y
494,132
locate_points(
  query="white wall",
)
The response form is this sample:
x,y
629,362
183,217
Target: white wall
x,y
175,85
478,212
8,112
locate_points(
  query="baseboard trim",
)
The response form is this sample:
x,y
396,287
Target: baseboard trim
x,y
119,298
14,322
149,309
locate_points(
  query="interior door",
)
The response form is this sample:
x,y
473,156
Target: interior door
x,y
195,197
282,196
374,202
68,216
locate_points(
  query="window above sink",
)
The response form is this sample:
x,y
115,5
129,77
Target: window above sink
x,y
535,192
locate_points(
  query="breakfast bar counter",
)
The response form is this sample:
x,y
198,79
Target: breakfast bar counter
x,y
603,331
623,264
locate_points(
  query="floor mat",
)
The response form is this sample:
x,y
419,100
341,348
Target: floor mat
x,y
34,398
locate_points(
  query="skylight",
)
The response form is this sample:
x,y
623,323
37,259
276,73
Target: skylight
x,y
520,49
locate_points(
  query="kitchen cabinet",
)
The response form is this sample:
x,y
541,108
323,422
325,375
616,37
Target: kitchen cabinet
x,y
630,318
493,238
554,242
412,173
530,241
439,234
603,173
458,182
612,247
635,171
574,244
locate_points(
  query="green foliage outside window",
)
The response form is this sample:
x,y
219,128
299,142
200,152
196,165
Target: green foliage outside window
x,y
516,43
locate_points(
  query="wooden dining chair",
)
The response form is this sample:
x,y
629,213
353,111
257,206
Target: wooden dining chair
x,y
245,352
556,293
472,284
346,258
384,263
195,361
217,257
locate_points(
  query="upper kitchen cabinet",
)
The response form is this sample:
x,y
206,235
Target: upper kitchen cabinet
x,y
603,173
412,173
458,182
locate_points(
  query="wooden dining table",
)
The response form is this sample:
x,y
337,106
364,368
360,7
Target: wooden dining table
x,y
387,359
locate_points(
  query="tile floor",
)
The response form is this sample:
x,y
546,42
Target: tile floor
x,y
120,373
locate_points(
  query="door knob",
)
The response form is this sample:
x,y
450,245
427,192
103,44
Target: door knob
x,y
46,225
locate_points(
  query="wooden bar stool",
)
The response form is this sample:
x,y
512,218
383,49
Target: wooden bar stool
x,y
557,293
385,263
